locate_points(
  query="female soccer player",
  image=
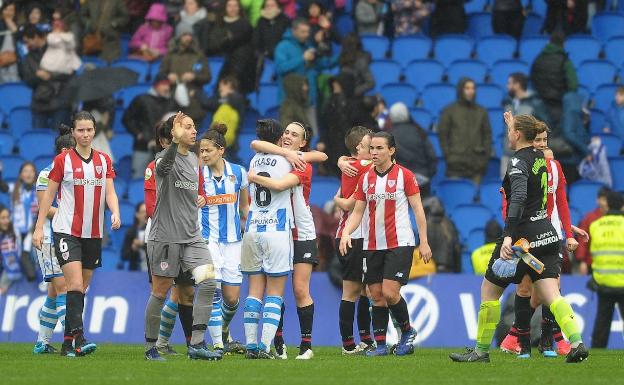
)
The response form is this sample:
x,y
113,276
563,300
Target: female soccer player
x,y
526,188
85,177
384,195
53,309
227,203
296,138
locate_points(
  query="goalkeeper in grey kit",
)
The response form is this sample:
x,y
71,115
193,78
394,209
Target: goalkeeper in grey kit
x,y
175,241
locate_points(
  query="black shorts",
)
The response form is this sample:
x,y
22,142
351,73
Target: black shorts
x,y
305,252
183,278
353,262
73,249
545,246
392,264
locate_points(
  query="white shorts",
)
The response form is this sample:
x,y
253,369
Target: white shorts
x,y
48,263
270,253
226,258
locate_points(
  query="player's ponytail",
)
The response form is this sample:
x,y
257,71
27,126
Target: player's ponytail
x,y
216,134
64,140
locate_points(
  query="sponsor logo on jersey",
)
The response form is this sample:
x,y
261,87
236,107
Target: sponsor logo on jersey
x,y
514,161
88,182
538,164
307,255
187,185
542,214
382,196
263,221
222,199
544,239
43,180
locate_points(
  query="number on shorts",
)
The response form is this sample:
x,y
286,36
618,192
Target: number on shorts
x,y
63,245
263,194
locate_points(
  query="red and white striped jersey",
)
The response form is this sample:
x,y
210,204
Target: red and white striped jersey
x,y
557,201
82,193
348,185
386,223
300,197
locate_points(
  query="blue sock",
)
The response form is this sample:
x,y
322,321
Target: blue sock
x,y
47,320
167,322
61,305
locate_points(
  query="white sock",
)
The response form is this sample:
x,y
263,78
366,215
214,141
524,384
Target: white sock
x,y
215,324
251,318
47,320
270,320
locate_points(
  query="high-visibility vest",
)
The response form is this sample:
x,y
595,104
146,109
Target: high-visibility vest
x,y
607,250
481,258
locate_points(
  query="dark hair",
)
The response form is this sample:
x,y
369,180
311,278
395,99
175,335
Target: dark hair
x,y
18,183
232,79
216,134
520,78
222,8
31,31
603,192
82,115
620,90
389,139
64,139
269,130
276,2
5,4
299,21
354,137
530,126
307,135
10,231
614,201
136,210
162,130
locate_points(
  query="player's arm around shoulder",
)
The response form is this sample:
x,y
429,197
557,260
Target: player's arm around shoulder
x,y
288,181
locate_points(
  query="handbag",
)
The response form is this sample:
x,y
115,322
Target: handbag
x,y
7,58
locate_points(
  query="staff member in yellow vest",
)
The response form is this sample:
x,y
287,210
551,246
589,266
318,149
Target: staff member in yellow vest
x,y
481,255
607,250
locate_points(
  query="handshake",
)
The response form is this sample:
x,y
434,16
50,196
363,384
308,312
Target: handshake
x,y
507,268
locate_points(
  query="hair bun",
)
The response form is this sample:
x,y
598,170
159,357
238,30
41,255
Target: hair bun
x,y
219,127
64,129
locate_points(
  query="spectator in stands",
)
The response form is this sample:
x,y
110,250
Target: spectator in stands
x,y
289,7
50,105
481,256
192,13
322,30
410,16
4,186
8,54
567,16
270,29
35,15
508,17
137,9
369,112
369,17
60,56
105,18
103,111
24,208
227,105
293,107
10,251
465,135
65,11
134,250
448,17
151,40
615,115
414,150
253,9
443,237
355,61
583,255
186,64
140,118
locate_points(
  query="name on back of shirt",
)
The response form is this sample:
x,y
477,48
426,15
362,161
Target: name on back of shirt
x,y
271,162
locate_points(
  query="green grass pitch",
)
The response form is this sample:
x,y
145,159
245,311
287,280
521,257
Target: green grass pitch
x,y
124,364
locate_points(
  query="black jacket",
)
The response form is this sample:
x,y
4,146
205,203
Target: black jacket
x,y
142,115
268,33
414,150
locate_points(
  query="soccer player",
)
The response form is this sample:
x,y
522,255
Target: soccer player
x,y
53,309
384,195
296,138
267,245
85,177
175,242
227,203
526,188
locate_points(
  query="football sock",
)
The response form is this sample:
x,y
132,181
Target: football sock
x,y
522,310
346,313
251,318
47,320
271,315
75,307
152,320
513,331
380,324
565,318
279,337
548,323
61,307
524,339
306,319
364,320
228,312
215,324
401,315
68,338
168,317
202,309
489,315
185,312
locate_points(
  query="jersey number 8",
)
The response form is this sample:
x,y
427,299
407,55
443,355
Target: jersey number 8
x,y
263,194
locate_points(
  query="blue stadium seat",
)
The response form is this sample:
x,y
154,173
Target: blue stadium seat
x,y
385,72
530,47
490,195
268,72
617,173
272,113
249,121
475,5
14,95
266,97
19,121
43,161
606,25
491,49
490,95
136,192
581,48
408,48
139,66
110,257
466,263
215,64
585,93
126,210
479,25
503,68
498,144
6,143
126,95
468,217
245,153
454,192
421,73
496,121
582,195
422,117
437,96
475,239
344,24
399,92
121,188
597,121
604,96
612,143
575,216
493,168
123,167
154,67
440,172
614,48
35,143
124,44
323,190
539,6
449,48
435,142
121,145
377,46
472,69
532,25
593,73
10,166
118,125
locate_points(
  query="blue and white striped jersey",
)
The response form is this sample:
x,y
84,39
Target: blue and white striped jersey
x,y
42,185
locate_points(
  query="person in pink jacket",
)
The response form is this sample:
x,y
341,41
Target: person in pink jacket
x,y
289,7
150,41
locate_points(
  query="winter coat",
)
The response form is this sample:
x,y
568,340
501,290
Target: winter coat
x,y
252,9
443,238
531,104
293,107
156,39
367,17
143,113
615,120
414,150
364,80
108,17
558,17
448,17
187,22
289,7
465,136
553,74
409,17
60,55
269,32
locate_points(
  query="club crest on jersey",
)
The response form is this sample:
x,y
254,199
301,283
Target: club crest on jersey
x,y
148,173
391,183
164,265
232,178
98,169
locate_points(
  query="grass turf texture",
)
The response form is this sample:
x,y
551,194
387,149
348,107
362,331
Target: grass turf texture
x,y
124,364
